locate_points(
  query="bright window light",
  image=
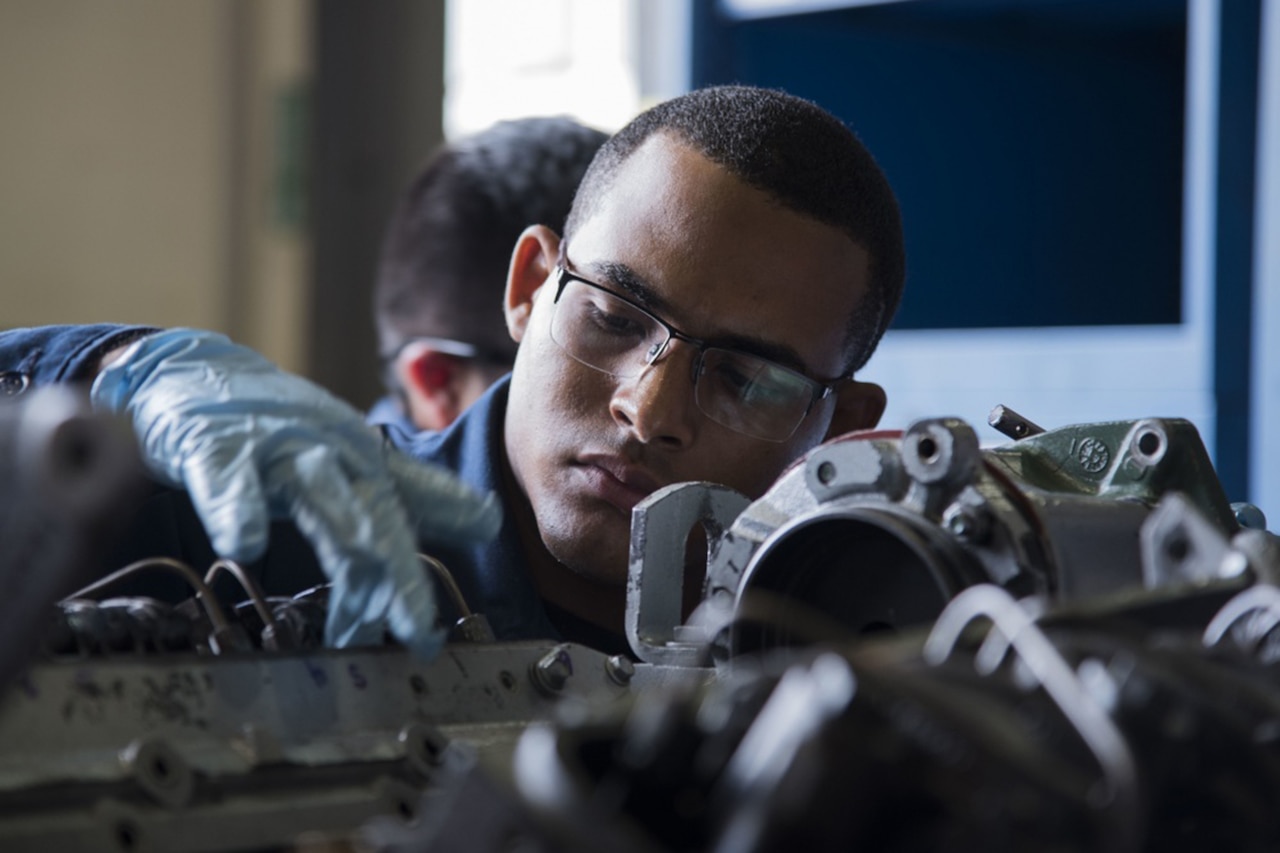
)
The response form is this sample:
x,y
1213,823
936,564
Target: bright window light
x,y
513,58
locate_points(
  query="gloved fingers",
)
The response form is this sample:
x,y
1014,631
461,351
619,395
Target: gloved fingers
x,y
413,612
442,509
364,544
225,423
229,499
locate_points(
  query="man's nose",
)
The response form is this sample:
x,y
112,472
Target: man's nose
x,y
658,405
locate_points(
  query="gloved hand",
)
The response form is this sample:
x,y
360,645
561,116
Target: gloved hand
x,y
250,442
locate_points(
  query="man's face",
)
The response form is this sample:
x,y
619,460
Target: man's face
x,y
720,261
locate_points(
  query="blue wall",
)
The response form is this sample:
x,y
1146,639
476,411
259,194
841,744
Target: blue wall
x,y
1036,148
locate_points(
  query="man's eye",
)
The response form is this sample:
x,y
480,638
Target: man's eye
x,y
732,379
613,322
750,385
736,381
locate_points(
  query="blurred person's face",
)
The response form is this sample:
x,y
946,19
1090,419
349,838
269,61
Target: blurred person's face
x,y
720,261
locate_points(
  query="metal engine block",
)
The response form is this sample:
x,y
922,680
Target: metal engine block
x,y
878,531
1066,642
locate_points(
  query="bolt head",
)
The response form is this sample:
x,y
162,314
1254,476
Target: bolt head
x,y
620,669
967,523
552,671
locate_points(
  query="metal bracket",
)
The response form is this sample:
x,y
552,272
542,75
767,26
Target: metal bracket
x,y
660,527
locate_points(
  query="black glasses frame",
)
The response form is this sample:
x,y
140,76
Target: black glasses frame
x,y
821,388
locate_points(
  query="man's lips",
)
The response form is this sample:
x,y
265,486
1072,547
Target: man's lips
x,y
616,481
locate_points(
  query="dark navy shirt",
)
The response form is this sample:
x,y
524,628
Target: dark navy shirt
x,y
49,354
388,411
493,576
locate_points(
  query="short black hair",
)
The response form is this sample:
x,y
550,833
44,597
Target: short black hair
x,y
797,153
446,251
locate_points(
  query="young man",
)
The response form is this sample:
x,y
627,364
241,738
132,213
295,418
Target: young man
x,y
444,260
732,257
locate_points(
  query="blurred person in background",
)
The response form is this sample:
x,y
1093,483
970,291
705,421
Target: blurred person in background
x,y
438,297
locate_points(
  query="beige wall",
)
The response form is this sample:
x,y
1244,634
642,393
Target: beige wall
x,y
136,162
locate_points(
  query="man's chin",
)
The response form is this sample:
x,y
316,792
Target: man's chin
x,y
589,537
607,567
603,566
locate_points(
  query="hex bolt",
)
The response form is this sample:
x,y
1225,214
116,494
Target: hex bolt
x,y
552,671
967,523
620,669
1249,516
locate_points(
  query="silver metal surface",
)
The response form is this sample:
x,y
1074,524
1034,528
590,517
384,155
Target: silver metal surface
x,y
121,754
660,528
877,531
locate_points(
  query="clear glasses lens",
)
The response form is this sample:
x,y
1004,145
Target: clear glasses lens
x,y
604,332
751,395
742,392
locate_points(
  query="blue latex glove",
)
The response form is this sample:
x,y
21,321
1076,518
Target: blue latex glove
x,y
250,442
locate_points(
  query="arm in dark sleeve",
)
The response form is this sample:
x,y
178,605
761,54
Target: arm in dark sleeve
x,y
48,355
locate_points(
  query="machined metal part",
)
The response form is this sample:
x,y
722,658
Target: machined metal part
x,y
660,528
1012,424
173,752
1180,546
1255,612
878,531
870,533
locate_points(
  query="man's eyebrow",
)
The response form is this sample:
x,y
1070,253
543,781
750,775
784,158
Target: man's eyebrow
x,y
625,278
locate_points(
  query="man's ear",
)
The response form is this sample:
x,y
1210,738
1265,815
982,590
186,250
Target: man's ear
x,y
531,264
427,377
859,405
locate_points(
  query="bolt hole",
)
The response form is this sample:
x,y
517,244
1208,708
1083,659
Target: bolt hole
x,y
1149,443
160,769
1178,547
431,748
507,680
78,453
417,684
927,449
406,809
126,835
826,473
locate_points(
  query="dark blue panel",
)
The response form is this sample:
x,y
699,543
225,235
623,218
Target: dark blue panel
x,y
1237,142
1036,149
